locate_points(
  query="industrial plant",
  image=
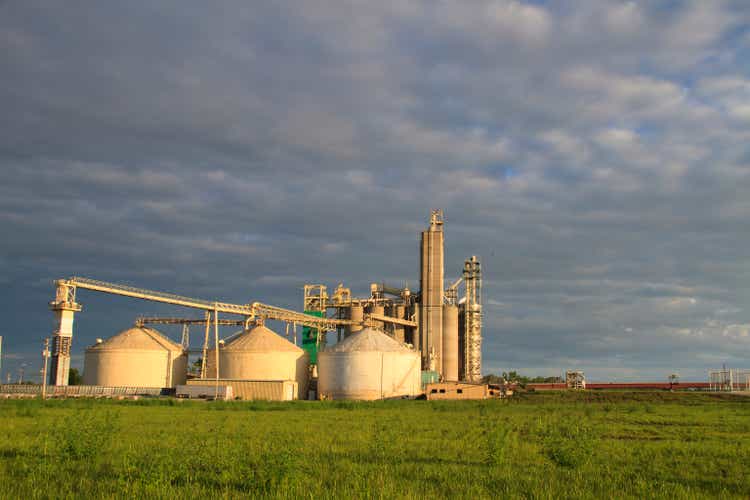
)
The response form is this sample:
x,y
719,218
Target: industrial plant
x,y
393,343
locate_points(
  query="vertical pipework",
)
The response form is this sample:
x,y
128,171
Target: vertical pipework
x,y
462,341
204,357
415,331
431,284
64,306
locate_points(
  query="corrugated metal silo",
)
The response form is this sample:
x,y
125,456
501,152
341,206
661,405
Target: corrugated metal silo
x,y
368,365
261,354
135,357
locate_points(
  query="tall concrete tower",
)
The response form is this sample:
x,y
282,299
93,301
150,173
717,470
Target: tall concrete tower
x,y
431,285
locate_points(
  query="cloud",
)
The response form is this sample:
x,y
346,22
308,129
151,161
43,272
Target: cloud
x,y
731,93
594,158
473,146
617,139
494,21
625,18
638,96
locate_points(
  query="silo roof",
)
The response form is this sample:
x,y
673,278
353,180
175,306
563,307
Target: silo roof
x,y
368,339
260,339
141,338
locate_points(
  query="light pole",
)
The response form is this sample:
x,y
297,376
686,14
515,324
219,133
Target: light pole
x,y
45,355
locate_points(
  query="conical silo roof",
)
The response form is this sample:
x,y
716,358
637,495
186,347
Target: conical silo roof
x,y
260,339
368,340
138,338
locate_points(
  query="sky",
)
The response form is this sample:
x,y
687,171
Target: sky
x,y
593,154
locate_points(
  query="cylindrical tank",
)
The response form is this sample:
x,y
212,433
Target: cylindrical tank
x,y
368,365
261,354
354,313
450,342
135,357
376,309
397,311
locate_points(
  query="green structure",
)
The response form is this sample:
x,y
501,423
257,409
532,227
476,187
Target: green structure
x,y
429,377
313,339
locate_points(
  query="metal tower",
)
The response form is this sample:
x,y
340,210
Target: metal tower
x,y
473,320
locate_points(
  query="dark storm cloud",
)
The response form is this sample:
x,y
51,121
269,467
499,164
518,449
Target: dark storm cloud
x,y
594,158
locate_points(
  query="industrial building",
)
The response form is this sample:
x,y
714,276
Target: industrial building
x,y
388,342
457,390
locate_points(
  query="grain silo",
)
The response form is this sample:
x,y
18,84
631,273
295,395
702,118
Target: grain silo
x,y
450,342
399,331
379,310
355,313
368,365
260,354
136,357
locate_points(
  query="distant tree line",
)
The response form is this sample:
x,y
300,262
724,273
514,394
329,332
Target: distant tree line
x,y
74,377
517,378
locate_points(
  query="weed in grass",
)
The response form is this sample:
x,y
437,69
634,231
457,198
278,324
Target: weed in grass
x,y
28,409
84,434
569,444
499,443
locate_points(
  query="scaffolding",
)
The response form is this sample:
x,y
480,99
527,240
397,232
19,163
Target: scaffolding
x,y
575,380
472,278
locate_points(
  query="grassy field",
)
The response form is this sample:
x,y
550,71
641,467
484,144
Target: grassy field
x,y
591,445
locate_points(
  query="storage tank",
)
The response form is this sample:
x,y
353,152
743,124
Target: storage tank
x,y
376,309
355,313
260,354
136,357
368,365
398,311
450,342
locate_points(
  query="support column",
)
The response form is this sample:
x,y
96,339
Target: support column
x,y
64,306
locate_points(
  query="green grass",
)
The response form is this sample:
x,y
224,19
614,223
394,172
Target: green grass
x,y
562,445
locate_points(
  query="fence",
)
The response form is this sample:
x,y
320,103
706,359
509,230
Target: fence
x,y
84,390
